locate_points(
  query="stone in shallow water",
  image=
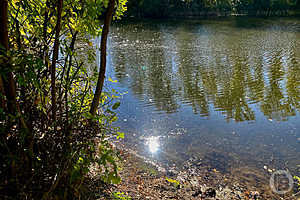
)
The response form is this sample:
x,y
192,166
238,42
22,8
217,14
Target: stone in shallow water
x,y
197,193
210,192
172,172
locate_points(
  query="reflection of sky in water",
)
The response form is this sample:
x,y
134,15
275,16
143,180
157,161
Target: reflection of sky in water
x,y
235,92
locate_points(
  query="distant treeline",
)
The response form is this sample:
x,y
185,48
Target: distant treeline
x,y
195,8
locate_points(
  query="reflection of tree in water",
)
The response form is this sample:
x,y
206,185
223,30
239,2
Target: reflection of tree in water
x,y
146,68
275,105
231,98
255,81
210,69
160,85
293,84
193,90
209,80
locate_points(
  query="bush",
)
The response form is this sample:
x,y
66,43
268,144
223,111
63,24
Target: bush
x,y
42,156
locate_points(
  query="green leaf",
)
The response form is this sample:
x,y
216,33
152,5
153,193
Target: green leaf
x,y
175,182
121,195
80,160
115,118
120,135
298,180
114,178
113,81
116,105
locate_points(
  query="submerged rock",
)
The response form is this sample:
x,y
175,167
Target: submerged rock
x,y
210,192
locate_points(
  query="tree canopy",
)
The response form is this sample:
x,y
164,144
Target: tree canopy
x,y
173,8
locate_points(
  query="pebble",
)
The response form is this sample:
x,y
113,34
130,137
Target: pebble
x,y
265,167
172,172
197,193
194,182
210,193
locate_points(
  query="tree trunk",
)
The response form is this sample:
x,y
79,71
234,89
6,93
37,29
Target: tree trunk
x,y
54,59
7,83
101,77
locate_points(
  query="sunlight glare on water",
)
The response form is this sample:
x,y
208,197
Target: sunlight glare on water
x,y
153,143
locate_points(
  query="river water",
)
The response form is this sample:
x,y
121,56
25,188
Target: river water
x,y
226,91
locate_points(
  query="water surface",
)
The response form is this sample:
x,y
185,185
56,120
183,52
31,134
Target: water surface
x,y
224,91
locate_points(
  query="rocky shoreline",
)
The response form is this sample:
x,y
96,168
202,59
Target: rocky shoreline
x,y
146,180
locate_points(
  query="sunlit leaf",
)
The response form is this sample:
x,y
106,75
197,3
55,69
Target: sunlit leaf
x,y
172,181
120,135
113,81
116,105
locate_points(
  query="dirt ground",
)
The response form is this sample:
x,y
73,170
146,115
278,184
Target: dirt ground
x,y
143,180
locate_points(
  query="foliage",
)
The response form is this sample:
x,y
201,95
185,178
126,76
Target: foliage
x,y
174,182
48,159
167,8
121,196
298,180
